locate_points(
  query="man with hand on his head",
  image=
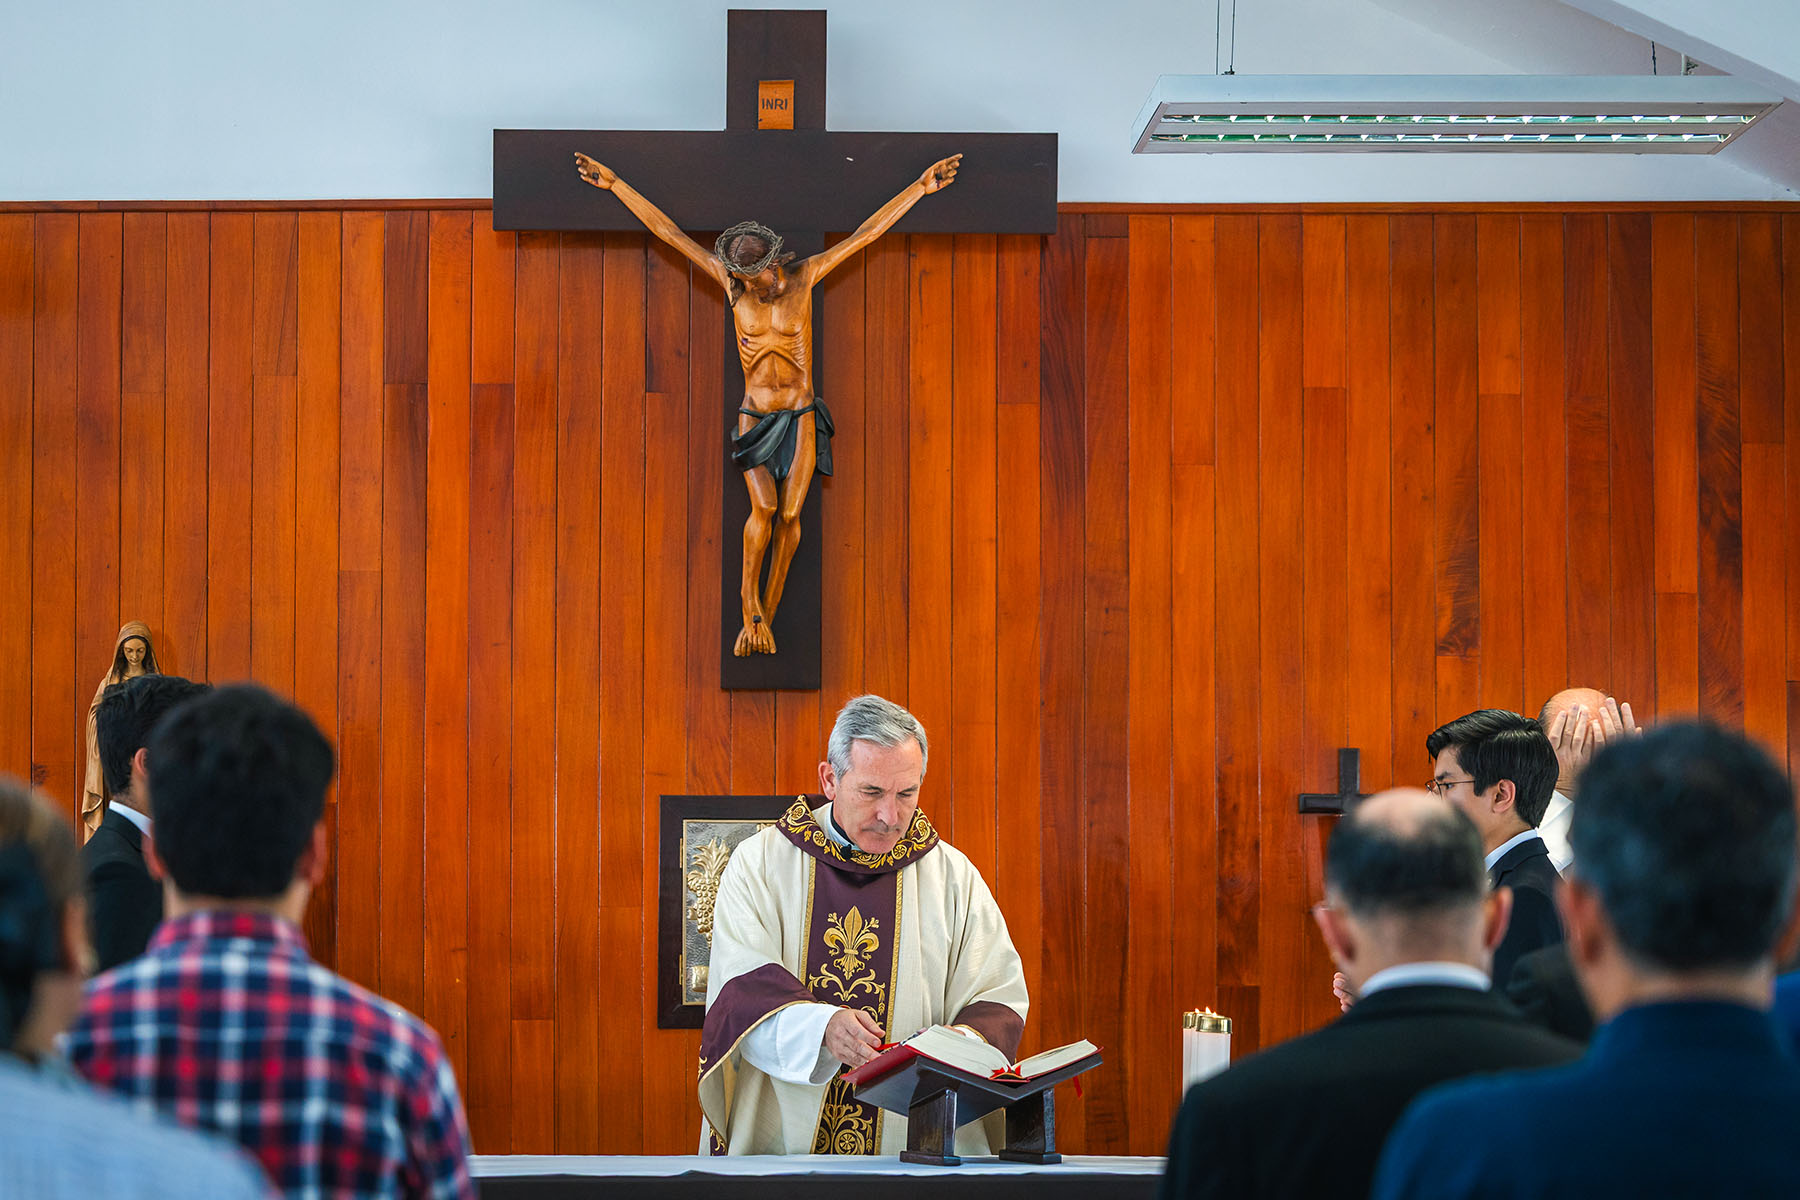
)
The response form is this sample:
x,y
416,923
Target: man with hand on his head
x,y
1412,924
1683,886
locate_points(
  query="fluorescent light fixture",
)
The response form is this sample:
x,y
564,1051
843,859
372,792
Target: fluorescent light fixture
x,y
1619,114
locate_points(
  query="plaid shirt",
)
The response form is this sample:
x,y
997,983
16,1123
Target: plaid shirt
x,y
227,1024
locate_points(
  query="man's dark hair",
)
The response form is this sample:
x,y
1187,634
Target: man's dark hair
x,y
1493,744
237,782
127,712
1423,866
1688,836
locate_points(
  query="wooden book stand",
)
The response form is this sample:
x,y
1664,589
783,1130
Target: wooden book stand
x,y
938,1099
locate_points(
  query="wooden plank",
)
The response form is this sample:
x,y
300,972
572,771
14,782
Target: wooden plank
x,y
1291,974
1590,508
274,427
619,1023
930,520
1631,420
274,334
448,634
491,319
1325,568
490,1062
230,450
1018,873
1765,596
1761,393
58,756
1368,525
1501,463
1414,491
1790,319
404,331
1062,281
797,746
319,293
534,606
974,579
1149,681
1674,364
1193,757
97,452
404,419
1677,656
1721,545
1543,429
185,368
361,454
1106,643
709,716
669,1055
842,589
534,1063
1238,702
887,303
1455,449
142,334
17,276
578,550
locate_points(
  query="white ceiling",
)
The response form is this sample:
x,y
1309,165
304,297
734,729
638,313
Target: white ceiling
x,y
291,99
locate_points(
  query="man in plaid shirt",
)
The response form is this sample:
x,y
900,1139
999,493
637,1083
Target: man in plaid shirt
x,y
226,1023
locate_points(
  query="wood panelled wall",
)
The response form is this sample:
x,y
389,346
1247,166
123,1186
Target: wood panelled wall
x,y
1145,520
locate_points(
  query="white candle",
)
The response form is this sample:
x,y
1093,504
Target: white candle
x,y
1205,1046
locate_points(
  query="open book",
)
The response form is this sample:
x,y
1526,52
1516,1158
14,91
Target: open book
x,y
957,1049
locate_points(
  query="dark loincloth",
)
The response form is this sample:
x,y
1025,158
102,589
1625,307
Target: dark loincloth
x,y
770,442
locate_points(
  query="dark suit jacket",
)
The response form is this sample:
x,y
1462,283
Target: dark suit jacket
x,y
1544,989
124,903
1526,869
1685,1099
1787,1007
1307,1117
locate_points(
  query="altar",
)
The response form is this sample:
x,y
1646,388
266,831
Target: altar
x,y
807,1177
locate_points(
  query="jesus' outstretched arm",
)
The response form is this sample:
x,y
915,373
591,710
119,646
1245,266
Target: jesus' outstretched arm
x,y
937,176
654,219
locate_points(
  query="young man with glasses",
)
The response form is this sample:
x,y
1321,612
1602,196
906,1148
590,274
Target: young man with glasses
x,y
1499,768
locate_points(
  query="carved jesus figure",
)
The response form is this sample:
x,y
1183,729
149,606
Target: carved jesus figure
x,y
784,431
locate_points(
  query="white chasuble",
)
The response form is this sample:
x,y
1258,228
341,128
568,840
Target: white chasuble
x,y
912,937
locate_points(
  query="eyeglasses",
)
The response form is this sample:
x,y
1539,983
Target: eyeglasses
x,y
1438,787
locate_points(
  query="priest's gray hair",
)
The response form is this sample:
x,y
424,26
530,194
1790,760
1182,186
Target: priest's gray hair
x,y
872,719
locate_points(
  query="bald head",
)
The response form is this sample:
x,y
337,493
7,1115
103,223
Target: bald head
x,y
1408,852
1569,699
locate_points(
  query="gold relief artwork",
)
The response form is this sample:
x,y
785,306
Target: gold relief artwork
x,y
705,865
845,1126
852,941
706,848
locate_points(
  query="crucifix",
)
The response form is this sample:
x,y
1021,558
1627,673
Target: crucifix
x,y
1349,788
775,163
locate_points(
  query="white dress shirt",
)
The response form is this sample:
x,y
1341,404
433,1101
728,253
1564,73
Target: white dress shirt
x,y
1554,829
1499,852
133,815
1442,974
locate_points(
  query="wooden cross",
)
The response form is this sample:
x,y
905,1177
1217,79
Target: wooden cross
x,y
776,163
1349,788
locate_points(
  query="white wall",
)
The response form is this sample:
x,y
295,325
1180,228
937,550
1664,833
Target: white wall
x,y
105,100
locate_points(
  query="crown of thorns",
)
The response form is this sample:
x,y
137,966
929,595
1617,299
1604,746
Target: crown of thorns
x,y
760,265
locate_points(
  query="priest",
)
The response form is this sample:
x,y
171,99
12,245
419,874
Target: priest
x,y
841,928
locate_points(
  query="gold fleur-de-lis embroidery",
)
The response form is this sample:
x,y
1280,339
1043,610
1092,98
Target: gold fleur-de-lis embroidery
x,y
853,939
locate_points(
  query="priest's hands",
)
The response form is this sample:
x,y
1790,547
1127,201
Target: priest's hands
x,y
1340,987
852,1036
1578,734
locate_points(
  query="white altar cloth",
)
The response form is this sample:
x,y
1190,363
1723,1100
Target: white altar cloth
x,y
501,1166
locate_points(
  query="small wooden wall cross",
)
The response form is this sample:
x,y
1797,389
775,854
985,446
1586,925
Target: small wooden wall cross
x,y
1349,787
